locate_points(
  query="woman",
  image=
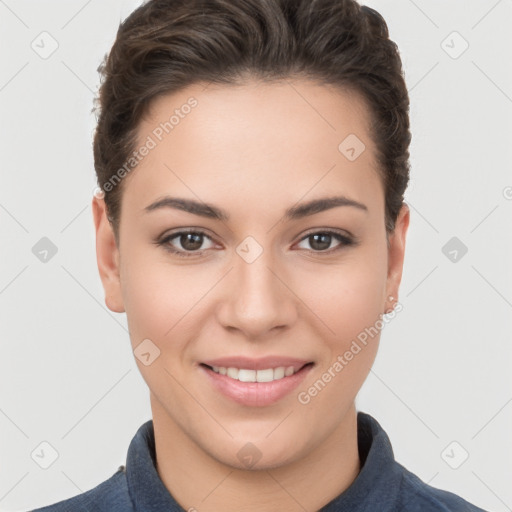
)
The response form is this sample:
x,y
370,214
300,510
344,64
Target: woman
x,y
252,157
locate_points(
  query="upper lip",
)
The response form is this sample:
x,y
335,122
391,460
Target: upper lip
x,y
242,362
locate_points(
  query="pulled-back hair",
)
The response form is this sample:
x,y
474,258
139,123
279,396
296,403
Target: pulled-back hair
x,y
166,45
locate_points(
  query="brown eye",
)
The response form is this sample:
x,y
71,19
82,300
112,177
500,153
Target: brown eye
x,y
186,243
321,241
191,241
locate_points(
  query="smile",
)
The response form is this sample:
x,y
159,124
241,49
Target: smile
x,y
261,386
266,375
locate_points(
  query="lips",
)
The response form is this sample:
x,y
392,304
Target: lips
x,y
237,378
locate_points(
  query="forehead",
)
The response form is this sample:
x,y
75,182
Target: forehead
x,y
278,141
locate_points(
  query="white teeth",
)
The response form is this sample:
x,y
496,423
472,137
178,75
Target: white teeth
x,y
279,372
233,373
266,375
247,375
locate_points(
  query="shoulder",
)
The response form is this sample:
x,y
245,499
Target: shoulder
x,y
417,496
110,495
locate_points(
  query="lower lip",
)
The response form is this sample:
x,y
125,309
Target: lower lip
x,y
256,394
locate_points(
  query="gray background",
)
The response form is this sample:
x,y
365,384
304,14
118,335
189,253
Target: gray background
x,y
67,374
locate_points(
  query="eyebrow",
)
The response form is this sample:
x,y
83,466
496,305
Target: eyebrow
x,y
213,212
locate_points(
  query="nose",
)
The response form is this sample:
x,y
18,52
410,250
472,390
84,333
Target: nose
x,y
259,298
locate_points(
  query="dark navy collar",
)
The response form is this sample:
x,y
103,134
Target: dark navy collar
x,y
147,491
378,480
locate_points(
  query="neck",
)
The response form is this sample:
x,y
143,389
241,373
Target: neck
x,y
199,481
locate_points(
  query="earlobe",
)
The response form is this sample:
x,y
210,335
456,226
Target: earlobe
x,y
396,254
107,256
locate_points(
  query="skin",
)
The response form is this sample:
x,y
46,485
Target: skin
x,y
253,150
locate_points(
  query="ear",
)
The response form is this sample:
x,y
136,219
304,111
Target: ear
x,y
396,253
107,256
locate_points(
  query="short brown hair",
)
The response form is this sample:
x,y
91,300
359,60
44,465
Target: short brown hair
x,y
166,45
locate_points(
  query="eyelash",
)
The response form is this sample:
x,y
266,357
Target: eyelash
x,y
345,241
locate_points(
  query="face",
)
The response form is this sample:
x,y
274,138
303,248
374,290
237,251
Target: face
x,y
256,279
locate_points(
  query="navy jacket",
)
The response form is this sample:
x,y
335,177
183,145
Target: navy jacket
x,y
383,485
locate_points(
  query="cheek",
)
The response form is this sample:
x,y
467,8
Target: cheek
x,y
349,302
350,309
347,298
159,302
156,295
